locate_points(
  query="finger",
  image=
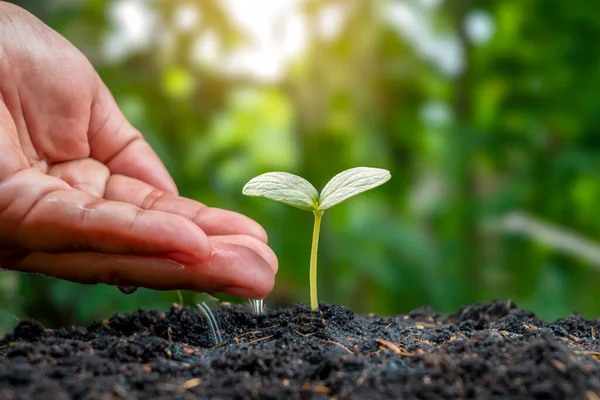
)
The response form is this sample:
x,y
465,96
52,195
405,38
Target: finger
x,y
213,221
10,257
116,143
87,175
252,243
42,213
11,154
232,269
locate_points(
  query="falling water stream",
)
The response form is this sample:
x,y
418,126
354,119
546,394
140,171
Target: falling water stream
x,y
212,322
257,306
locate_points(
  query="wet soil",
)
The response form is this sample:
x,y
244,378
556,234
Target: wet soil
x,y
484,351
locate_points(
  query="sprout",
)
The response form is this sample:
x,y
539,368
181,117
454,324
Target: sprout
x,y
298,192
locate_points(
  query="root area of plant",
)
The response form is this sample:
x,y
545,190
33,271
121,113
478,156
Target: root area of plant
x,y
483,351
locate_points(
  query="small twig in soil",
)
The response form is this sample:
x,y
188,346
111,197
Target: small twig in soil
x,y
317,388
594,354
261,339
120,391
339,345
249,333
306,335
376,352
530,327
423,325
560,367
395,348
322,389
592,396
190,384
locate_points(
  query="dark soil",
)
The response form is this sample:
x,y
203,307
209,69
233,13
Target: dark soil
x,y
485,351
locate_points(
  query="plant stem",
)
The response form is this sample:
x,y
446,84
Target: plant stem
x,y
314,303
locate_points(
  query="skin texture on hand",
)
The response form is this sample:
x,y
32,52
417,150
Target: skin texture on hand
x,y
83,197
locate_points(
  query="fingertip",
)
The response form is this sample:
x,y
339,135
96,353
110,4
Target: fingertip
x,y
261,234
255,293
256,230
237,270
212,221
261,248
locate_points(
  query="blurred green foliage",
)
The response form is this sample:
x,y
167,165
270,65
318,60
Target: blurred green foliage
x,y
478,108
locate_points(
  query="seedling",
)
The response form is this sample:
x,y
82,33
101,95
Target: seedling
x,y
298,192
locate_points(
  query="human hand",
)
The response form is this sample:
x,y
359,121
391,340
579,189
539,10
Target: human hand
x,y
84,198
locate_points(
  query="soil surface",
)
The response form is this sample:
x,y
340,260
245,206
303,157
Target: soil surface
x,y
484,351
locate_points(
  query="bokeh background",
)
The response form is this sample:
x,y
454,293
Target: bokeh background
x,y
487,113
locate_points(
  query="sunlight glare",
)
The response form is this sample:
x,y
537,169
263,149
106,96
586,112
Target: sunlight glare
x,y
414,24
276,35
480,26
186,17
331,20
133,21
206,50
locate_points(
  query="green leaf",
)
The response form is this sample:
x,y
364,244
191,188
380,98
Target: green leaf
x,y
350,183
285,188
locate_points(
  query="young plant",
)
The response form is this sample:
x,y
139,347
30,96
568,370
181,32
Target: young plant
x,y
298,192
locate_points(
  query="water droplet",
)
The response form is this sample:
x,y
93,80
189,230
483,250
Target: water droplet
x,y
127,289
